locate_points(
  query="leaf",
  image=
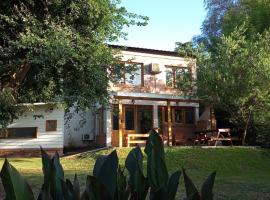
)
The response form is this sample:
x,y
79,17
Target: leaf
x,y
47,167
96,190
67,195
44,194
173,185
16,187
53,175
191,190
207,187
105,170
122,187
158,194
157,172
134,160
137,181
76,188
58,177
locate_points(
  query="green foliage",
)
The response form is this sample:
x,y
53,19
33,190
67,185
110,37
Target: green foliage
x,y
235,74
108,180
53,51
8,109
15,185
236,78
206,191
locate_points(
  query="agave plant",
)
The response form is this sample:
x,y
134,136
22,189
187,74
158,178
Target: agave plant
x,y
109,180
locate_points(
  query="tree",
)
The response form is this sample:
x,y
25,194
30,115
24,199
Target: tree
x,y
224,15
56,50
233,69
237,77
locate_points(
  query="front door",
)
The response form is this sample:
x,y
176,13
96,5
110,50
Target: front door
x,y
144,119
137,119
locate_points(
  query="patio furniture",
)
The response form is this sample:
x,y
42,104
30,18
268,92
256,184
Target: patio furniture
x,y
202,137
222,135
136,139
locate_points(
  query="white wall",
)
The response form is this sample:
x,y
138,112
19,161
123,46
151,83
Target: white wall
x,y
44,139
81,123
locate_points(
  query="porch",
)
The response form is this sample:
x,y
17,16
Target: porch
x,y
133,118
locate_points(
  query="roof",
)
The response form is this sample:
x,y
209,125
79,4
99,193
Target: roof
x,y
146,50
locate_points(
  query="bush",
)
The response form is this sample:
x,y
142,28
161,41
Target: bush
x,y
109,180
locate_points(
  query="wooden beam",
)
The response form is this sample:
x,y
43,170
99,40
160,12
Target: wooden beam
x,y
121,117
157,99
169,123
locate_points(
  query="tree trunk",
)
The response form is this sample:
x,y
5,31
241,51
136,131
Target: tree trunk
x,y
245,130
244,136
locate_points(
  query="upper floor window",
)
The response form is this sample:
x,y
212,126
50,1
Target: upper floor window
x,y
129,73
176,77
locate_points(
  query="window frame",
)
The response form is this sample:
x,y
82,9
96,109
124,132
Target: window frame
x,y
142,72
174,69
47,129
184,108
14,138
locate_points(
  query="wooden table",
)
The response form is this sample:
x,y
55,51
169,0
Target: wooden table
x,y
223,134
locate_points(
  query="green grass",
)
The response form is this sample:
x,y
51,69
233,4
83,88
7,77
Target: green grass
x,y
242,173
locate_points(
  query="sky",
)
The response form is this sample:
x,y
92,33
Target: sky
x,y
170,21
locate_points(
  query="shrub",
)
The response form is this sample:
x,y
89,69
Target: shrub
x,y
109,180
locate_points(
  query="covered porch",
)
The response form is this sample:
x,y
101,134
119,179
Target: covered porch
x,y
133,117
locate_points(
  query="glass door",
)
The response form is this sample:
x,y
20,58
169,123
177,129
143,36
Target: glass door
x,y
144,119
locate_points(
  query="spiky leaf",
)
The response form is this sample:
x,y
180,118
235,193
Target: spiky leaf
x,y
16,187
191,190
137,181
105,170
157,172
207,187
173,185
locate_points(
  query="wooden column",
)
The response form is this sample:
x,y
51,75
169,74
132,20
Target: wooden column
x,y
169,123
121,117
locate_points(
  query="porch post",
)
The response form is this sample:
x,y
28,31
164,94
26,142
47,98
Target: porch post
x,y
120,124
108,125
169,123
155,115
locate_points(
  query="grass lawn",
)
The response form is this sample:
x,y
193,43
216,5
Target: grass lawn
x,y
242,173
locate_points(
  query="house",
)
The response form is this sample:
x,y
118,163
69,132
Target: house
x,y
41,126
144,99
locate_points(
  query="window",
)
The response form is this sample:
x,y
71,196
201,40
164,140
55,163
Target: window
x,y
129,73
145,119
18,133
179,115
169,77
177,76
115,116
129,118
51,125
190,118
183,115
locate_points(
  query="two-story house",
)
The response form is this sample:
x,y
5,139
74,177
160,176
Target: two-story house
x,y
148,98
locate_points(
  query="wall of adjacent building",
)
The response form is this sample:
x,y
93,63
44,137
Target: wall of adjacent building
x,y
79,124
53,140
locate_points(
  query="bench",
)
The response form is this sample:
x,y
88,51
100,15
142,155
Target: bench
x,y
136,139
